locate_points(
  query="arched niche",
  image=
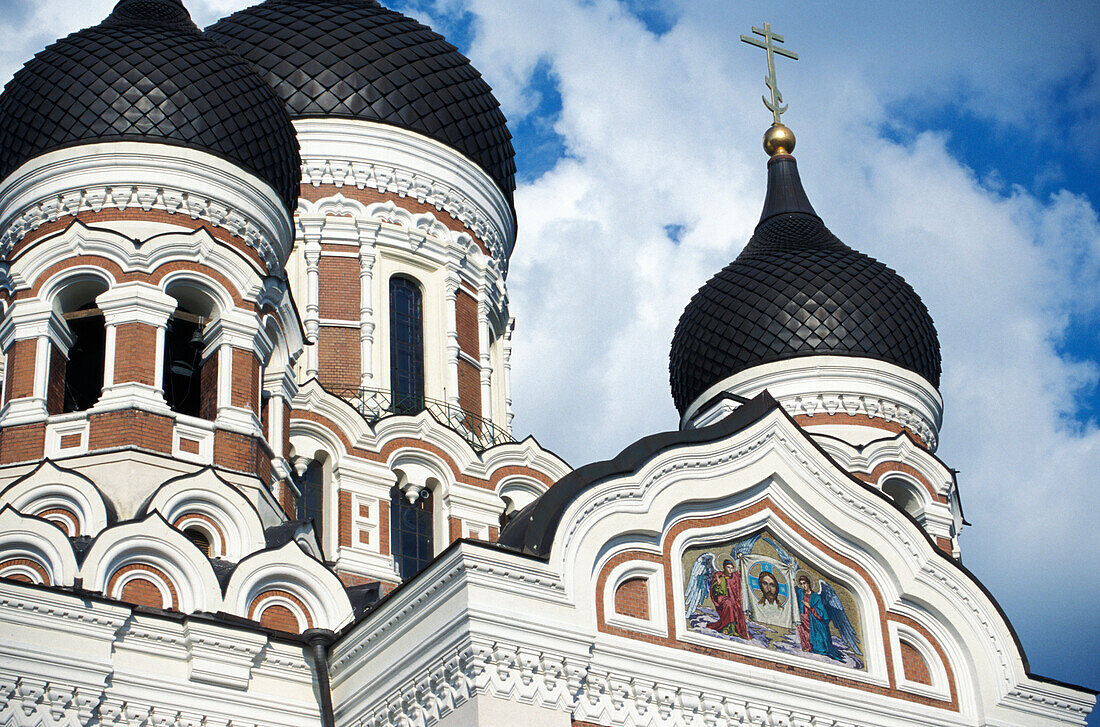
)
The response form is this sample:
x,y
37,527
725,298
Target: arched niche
x,y
76,374
34,551
203,504
190,375
152,551
288,578
64,497
908,495
423,482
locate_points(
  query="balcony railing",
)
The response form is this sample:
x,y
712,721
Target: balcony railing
x,y
375,404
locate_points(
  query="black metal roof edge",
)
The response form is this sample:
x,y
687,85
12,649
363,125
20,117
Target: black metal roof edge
x,y
534,439
143,509
638,454
74,221
532,530
714,400
112,514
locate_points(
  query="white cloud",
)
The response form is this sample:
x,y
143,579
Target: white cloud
x,y
657,133
28,26
666,131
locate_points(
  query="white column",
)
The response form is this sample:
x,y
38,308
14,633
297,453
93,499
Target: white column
x,y
312,253
366,314
134,302
509,414
450,303
33,320
281,387
483,347
241,330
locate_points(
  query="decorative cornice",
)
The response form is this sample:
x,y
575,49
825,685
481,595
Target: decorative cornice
x,y
136,175
827,385
388,159
880,517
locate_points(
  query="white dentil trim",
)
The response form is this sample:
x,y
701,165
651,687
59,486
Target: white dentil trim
x,y
134,174
391,159
827,385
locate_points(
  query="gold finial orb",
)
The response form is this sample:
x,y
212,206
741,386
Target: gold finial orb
x,y
778,140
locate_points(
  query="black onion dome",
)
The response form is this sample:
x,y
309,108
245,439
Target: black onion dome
x,y
357,59
147,73
796,290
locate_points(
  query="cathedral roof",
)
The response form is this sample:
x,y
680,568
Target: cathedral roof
x,y
796,290
532,530
147,73
357,59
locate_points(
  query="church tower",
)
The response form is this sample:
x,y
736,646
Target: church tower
x,y
401,432
838,338
256,465
149,181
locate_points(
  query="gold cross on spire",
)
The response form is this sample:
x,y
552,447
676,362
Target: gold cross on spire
x,y
768,44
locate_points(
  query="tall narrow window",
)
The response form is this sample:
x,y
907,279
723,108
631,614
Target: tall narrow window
x,y
406,346
84,367
311,504
183,346
411,531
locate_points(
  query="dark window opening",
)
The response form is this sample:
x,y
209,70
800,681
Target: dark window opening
x,y
311,503
406,346
200,540
183,346
84,367
411,538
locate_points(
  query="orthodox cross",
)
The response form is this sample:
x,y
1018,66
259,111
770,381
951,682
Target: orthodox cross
x,y
776,105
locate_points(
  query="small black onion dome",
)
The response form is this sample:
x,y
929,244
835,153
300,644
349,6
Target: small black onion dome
x,y
796,290
147,73
357,59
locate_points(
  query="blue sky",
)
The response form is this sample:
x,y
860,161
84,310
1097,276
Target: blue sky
x,y
958,142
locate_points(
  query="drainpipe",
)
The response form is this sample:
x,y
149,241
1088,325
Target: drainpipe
x,y
319,640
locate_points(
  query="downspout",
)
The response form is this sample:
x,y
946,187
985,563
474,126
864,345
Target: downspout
x,y
319,640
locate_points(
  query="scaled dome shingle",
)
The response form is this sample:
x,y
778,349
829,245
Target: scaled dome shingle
x,y
357,59
147,73
796,290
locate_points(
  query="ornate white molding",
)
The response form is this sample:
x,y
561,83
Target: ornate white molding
x,y
376,225
827,385
350,152
145,176
587,689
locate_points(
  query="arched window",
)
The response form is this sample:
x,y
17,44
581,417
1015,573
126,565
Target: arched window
x,y
183,346
200,539
311,504
84,367
411,539
77,383
406,346
190,382
904,494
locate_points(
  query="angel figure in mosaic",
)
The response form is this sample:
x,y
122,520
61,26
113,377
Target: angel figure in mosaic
x,y
698,582
816,612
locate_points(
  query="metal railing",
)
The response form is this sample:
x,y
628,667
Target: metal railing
x,y
375,404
